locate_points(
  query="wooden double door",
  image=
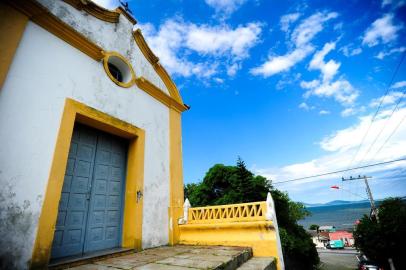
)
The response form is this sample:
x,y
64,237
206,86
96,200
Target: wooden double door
x,y
91,205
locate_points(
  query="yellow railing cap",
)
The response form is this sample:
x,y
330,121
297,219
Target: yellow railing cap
x,y
228,205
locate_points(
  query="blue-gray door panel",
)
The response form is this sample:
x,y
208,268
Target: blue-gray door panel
x,y
71,223
90,208
106,202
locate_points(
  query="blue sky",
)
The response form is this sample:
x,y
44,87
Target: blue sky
x,y
290,86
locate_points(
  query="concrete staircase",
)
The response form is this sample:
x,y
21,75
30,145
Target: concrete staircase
x,y
175,258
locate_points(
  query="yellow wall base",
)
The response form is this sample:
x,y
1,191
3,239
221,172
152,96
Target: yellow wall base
x,y
259,235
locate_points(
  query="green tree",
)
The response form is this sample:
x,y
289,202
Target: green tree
x,y
236,184
385,238
314,227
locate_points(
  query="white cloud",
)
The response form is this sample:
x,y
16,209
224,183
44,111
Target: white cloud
x,y
348,51
382,30
389,99
305,106
287,20
176,40
287,81
348,112
399,84
328,69
107,3
324,112
340,148
310,84
351,111
301,37
221,40
386,2
277,64
232,69
218,80
349,138
310,27
341,89
397,4
224,8
381,55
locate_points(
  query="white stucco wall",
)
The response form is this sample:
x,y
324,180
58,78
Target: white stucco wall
x,y
109,36
45,71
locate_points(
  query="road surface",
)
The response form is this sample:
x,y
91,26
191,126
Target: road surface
x,y
338,259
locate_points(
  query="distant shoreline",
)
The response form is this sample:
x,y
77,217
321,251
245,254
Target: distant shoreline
x,y
336,203
341,202
342,216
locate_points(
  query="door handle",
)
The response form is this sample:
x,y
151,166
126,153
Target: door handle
x,y
139,195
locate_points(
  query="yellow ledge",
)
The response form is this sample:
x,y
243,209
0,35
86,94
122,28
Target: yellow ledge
x,y
228,225
159,95
259,235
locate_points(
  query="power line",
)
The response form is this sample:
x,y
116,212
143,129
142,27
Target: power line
x,y
379,107
390,136
354,194
384,126
375,116
398,176
340,171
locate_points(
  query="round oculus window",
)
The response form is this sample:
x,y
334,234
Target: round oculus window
x,y
119,69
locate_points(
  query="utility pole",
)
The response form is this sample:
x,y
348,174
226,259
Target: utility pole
x,y
374,210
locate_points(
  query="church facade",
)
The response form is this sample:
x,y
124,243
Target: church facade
x,y
90,134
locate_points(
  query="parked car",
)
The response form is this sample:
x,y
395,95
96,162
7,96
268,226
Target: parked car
x,y
335,244
365,264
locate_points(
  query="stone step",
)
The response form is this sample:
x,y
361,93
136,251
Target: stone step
x,y
173,258
237,260
259,263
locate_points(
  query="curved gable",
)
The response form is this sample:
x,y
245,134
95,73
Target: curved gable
x,y
154,60
105,30
100,12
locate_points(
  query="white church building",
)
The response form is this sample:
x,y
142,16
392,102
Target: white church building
x,y
90,134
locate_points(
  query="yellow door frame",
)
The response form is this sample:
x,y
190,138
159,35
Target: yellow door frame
x,y
132,220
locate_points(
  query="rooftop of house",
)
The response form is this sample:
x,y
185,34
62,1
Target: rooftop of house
x,y
326,227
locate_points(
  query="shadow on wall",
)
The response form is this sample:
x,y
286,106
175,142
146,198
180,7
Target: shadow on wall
x,y
16,228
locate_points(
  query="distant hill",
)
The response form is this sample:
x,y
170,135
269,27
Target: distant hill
x,y
332,203
341,202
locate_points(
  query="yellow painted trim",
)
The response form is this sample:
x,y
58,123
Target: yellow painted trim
x,y
12,26
106,57
154,60
176,175
145,49
126,14
158,94
132,226
223,225
173,90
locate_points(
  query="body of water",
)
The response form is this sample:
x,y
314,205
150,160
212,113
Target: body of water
x,y
340,216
